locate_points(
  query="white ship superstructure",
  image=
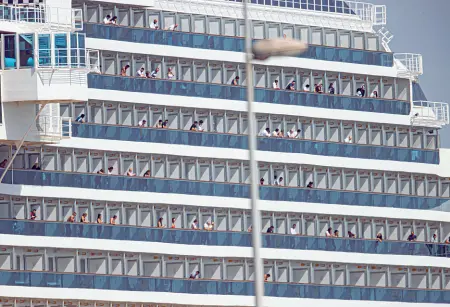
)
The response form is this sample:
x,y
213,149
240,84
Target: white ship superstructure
x,y
124,158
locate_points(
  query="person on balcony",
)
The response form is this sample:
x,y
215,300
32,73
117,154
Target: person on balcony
x,y
374,94
193,126
361,92
142,123
112,220
113,20
173,27
200,126
275,85
412,237
107,20
196,275
83,218
351,234
173,223
379,237
36,167
154,73
294,229
123,71
160,223
130,173
329,232
348,139
265,132
3,163
306,88
331,89
194,224
154,24
235,81
99,219
147,174
159,124
33,215
165,124
310,185
71,218
291,86
80,118
141,73
170,74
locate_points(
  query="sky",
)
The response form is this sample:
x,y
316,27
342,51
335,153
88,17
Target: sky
x,y
422,26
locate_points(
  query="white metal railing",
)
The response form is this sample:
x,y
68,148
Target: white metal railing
x,y
431,114
365,11
52,128
363,18
50,18
409,64
386,37
22,14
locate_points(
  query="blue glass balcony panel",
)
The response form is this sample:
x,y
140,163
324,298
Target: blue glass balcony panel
x,y
234,44
178,137
218,91
216,238
219,287
206,188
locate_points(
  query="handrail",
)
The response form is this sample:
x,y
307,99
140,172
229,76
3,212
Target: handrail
x,y
244,87
228,183
261,137
227,231
222,280
227,36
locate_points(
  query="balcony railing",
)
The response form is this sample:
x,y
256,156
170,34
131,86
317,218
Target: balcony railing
x,y
208,188
431,114
221,140
219,238
234,44
52,128
218,287
218,91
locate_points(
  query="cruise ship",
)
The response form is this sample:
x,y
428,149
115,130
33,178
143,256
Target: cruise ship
x,y
124,161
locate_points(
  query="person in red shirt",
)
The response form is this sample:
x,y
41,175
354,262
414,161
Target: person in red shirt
x,y
33,214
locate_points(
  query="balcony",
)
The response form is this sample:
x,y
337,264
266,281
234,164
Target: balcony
x,y
208,188
219,238
217,91
219,140
218,287
229,43
18,19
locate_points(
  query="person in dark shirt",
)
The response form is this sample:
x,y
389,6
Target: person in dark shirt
x,y
36,167
261,181
412,237
270,229
235,81
379,237
165,124
310,185
33,214
331,89
351,234
291,86
194,126
361,92
195,276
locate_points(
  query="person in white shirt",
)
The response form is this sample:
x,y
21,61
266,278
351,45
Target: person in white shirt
x,y
275,85
292,134
329,232
194,224
142,123
154,24
110,170
275,181
173,27
170,74
306,88
348,139
434,238
141,72
294,230
265,133
374,94
106,20
154,73
208,226
275,133
130,173
200,126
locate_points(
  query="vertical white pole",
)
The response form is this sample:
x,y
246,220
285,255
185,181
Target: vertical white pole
x,y
254,182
